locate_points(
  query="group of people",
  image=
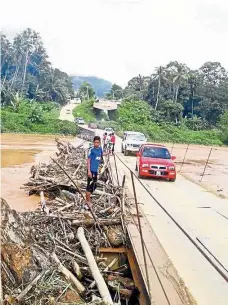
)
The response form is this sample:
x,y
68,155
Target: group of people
x,y
109,142
95,158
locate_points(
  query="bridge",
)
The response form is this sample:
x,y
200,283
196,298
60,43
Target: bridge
x,y
106,105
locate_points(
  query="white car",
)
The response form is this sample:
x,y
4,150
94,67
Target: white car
x,y
79,121
108,131
132,141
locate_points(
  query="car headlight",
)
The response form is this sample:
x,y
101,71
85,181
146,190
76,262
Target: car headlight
x,y
172,168
145,165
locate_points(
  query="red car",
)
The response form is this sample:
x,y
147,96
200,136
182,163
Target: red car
x,y
155,161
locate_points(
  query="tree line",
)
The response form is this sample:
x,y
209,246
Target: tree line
x,y
175,93
26,71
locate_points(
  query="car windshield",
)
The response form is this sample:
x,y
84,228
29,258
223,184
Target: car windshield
x,y
108,129
136,137
156,152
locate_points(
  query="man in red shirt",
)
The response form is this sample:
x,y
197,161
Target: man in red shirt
x,y
113,141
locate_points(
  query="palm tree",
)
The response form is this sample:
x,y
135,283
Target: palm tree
x,y
139,84
159,76
179,73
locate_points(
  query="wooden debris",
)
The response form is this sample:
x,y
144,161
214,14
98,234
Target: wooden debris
x,y
47,239
68,275
103,289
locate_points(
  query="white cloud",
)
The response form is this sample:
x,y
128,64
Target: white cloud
x,y
118,39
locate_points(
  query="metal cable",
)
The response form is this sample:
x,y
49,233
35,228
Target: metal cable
x,y
223,275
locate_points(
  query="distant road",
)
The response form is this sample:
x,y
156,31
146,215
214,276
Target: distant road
x,y
67,116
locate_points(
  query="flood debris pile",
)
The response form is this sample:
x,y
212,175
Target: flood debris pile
x,y
53,255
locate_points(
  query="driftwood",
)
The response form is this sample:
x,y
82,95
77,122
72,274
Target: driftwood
x,y
68,275
102,287
91,222
46,239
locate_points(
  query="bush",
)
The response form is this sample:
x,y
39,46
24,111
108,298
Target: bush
x,y
85,110
223,124
36,118
135,112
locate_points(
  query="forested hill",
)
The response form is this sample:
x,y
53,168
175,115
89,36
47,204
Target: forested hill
x,y
100,86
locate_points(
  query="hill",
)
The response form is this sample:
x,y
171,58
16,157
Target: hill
x,y
101,86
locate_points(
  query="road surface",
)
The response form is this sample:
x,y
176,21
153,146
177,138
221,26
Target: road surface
x,y
205,218
67,116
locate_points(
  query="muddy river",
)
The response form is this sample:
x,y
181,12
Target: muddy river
x,y
18,153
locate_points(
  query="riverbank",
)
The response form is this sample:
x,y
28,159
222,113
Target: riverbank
x,y
18,153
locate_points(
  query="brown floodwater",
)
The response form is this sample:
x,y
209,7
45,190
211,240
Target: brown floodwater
x,y
18,153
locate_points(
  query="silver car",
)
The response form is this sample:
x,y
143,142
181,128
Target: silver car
x,y
132,141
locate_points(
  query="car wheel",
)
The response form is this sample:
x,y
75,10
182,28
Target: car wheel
x,y
172,179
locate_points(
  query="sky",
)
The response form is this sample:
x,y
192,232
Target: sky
x,y
119,39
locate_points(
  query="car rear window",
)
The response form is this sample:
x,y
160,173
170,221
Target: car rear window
x,y
136,137
156,152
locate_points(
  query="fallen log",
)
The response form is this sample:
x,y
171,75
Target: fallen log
x,y
67,206
101,285
91,222
68,275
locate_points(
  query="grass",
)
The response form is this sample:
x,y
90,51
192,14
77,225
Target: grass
x,y
35,118
85,110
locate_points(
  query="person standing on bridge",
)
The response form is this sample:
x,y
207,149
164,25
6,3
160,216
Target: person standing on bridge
x,y
113,141
104,141
95,157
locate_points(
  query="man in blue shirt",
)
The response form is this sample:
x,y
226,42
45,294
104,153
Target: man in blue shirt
x,y
95,157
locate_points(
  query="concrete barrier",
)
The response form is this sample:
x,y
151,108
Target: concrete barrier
x,y
86,134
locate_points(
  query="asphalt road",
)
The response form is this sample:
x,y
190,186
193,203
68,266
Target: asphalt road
x,y
64,115
202,214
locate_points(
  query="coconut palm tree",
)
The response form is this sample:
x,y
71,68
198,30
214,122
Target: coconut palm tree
x,y
159,76
179,74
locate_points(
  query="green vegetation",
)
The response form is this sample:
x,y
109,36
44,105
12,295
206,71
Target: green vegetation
x,y
85,110
139,116
177,104
27,81
85,92
174,104
35,117
26,71
88,113
116,93
223,124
